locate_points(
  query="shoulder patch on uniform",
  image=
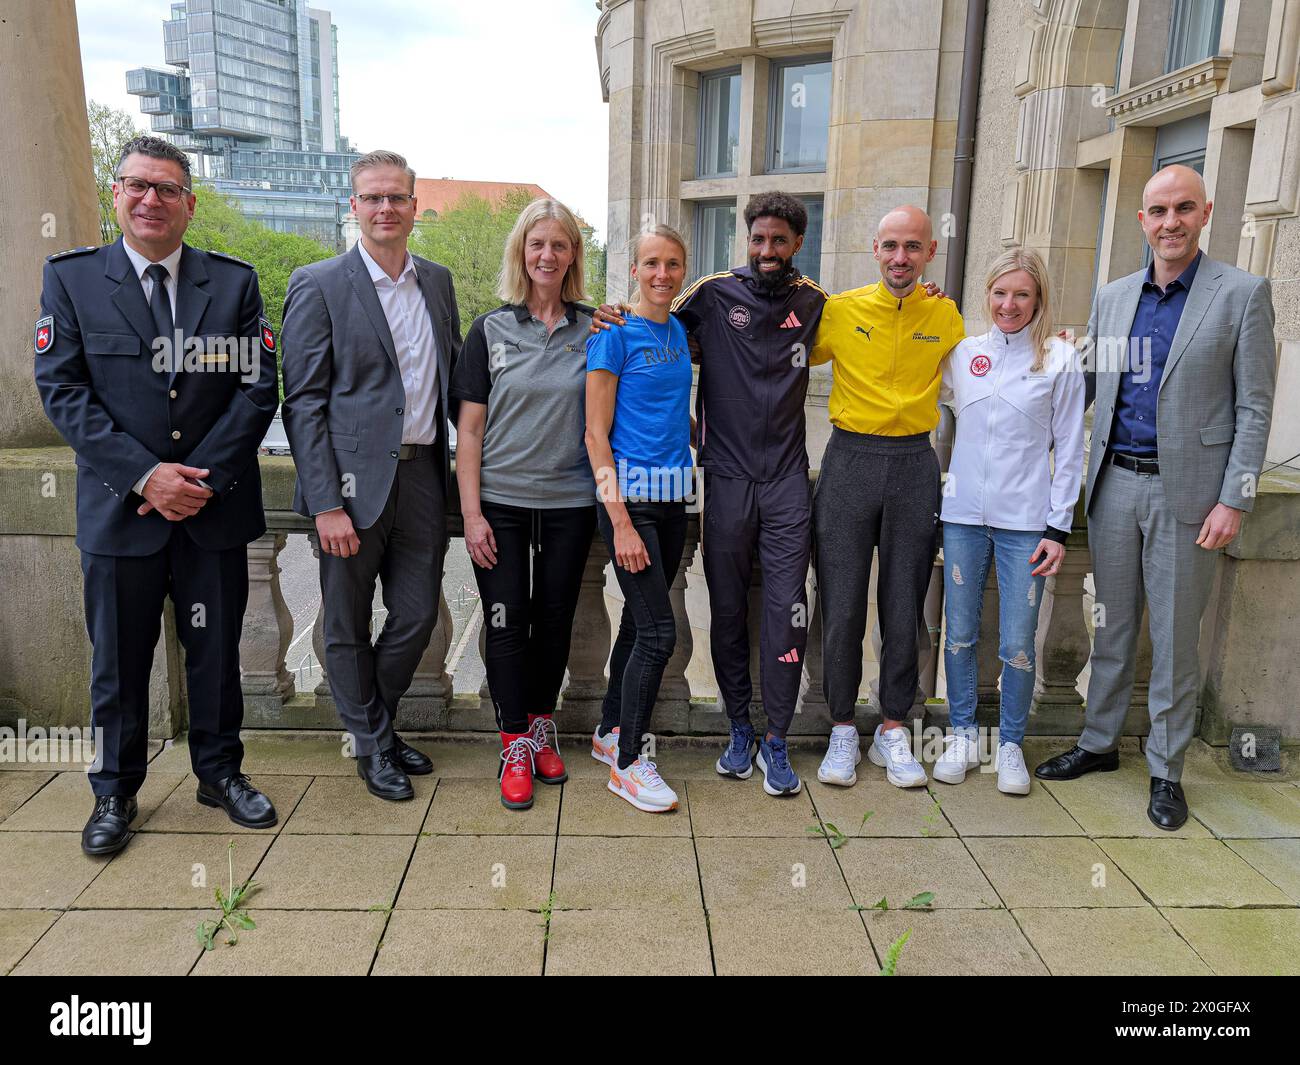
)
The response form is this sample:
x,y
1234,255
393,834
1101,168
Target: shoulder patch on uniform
x,y
268,334
231,259
70,252
43,337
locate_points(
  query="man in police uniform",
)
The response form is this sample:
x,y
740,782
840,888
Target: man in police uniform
x,y
155,363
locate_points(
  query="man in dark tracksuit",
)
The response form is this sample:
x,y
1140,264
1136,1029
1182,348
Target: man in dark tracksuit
x,y
755,326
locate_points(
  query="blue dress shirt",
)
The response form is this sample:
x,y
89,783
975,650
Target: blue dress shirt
x,y
1155,322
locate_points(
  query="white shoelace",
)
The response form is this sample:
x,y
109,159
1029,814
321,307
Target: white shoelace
x,y
1011,757
647,774
898,743
518,751
956,750
842,747
537,734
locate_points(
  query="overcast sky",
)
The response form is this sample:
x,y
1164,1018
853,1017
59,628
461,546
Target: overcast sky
x,y
501,90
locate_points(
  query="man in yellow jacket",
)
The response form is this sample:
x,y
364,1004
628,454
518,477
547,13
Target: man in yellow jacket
x,y
878,488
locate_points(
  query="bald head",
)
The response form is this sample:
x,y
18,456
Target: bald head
x,y
904,244
1174,211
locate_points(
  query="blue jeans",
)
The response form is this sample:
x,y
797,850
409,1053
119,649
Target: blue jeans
x,y
967,552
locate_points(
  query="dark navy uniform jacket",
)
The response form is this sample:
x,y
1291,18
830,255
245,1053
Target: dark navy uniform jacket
x,y
753,371
100,381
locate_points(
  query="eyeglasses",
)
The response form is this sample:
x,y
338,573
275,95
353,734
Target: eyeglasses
x,y
395,199
138,188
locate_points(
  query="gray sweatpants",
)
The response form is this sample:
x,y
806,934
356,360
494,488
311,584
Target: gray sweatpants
x,y
874,493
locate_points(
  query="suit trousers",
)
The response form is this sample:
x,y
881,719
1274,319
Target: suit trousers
x,y
404,550
1141,552
124,598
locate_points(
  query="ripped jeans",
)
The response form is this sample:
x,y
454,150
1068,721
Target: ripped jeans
x,y
967,552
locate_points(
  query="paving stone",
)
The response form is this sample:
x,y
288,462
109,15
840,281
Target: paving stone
x,y
273,752
182,812
44,870
161,870
1053,872
1234,810
742,808
591,809
19,929
341,806
1191,872
899,812
1243,942
976,808
1114,805
65,803
777,873
629,873
462,943
332,872
790,942
479,872
66,757
955,942
1109,942
1277,859
900,869
471,807
117,943
17,788
477,759
299,942
654,942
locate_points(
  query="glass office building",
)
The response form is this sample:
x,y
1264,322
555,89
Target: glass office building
x,y
252,91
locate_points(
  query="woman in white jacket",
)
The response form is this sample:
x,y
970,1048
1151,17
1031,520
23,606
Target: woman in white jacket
x,y
1008,499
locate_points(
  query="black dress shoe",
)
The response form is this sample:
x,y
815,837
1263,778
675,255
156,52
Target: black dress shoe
x,y
243,803
415,763
109,826
1075,762
1168,806
384,776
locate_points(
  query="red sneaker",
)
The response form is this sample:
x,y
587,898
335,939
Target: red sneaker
x,y
516,772
546,741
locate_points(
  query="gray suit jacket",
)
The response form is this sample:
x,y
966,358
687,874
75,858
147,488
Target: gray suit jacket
x,y
343,391
1215,399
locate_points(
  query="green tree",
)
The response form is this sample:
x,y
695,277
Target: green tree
x,y
218,226
469,238
594,259
110,129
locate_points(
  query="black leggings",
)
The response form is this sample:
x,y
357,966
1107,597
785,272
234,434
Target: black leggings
x,y
529,598
647,632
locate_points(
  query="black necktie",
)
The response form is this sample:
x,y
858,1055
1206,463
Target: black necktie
x,y
161,307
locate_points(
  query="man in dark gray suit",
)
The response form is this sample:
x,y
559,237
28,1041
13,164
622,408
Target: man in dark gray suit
x,y
1184,362
369,341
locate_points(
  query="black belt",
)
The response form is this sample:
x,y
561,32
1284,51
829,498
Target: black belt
x,y
415,451
1134,464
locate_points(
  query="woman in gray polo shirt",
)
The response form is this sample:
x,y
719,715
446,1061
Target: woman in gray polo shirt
x,y
526,488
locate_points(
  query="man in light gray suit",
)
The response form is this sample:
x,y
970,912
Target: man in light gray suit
x,y
368,345
1183,365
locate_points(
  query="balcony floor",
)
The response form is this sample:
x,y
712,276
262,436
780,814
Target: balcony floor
x,y
1069,879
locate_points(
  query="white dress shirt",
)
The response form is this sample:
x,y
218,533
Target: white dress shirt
x,y
413,339
1017,459
172,265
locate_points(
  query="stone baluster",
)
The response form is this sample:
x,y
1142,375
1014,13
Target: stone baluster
x,y
589,650
426,701
324,697
1061,643
267,633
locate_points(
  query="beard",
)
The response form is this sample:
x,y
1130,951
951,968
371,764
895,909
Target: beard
x,y
774,280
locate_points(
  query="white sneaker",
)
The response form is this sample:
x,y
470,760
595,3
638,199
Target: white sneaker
x,y
893,751
960,753
1013,777
841,756
605,749
642,786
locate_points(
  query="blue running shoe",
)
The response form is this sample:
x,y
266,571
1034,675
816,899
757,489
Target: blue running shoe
x,y
738,759
779,778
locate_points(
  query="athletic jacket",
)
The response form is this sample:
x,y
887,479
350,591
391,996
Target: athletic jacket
x,y
755,347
